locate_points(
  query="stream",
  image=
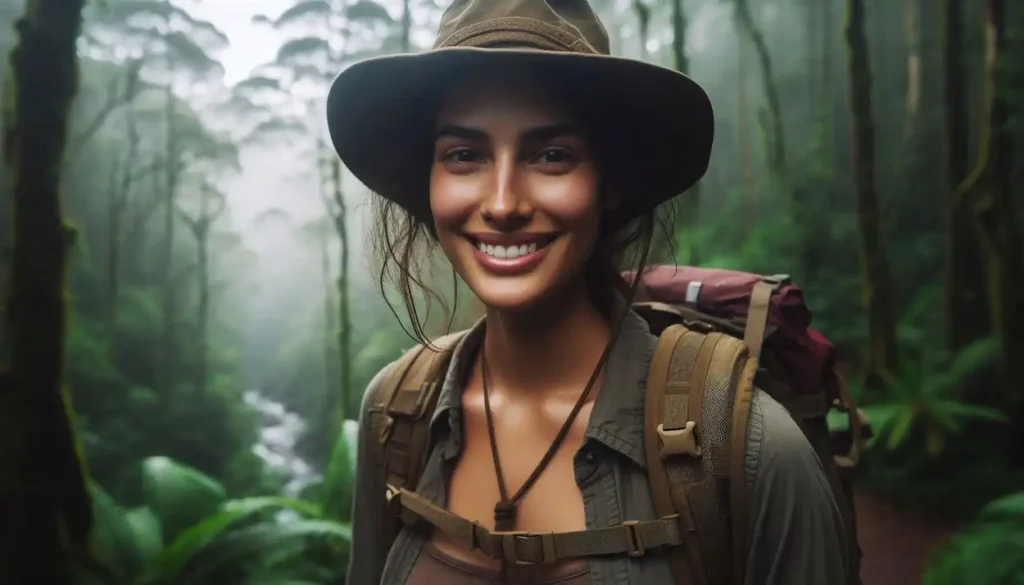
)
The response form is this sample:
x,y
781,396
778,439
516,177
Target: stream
x,y
280,429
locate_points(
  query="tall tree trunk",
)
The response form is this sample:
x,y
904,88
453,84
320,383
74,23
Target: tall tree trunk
x,y
689,202
203,308
406,26
168,358
777,139
743,130
331,379
915,64
643,19
883,353
211,205
118,203
344,320
46,507
966,313
998,216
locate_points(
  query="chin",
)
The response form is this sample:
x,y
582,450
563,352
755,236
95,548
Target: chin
x,y
510,296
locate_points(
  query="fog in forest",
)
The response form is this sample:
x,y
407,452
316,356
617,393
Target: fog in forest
x,y
225,313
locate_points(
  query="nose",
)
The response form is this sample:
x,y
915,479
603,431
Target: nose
x,y
507,208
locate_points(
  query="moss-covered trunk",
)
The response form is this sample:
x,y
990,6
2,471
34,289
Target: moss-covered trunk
x,y
879,293
44,501
965,296
998,214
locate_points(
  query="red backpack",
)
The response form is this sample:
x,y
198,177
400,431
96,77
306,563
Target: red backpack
x,y
721,333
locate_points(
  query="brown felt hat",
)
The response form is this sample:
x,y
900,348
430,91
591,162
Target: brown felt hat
x,y
381,111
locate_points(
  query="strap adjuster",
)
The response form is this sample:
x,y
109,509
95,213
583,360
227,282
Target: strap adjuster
x,y
510,551
679,441
634,542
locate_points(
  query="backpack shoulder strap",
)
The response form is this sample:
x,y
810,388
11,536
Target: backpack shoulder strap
x,y
405,401
692,383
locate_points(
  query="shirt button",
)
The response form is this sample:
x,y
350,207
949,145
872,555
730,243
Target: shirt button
x,y
589,456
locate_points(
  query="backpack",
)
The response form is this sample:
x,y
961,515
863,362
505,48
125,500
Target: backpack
x,y
721,333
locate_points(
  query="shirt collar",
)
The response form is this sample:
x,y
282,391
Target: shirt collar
x,y
617,419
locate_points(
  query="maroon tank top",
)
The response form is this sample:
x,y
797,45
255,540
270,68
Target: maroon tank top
x,y
433,567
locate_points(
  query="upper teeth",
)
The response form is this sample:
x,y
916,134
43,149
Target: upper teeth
x,y
507,252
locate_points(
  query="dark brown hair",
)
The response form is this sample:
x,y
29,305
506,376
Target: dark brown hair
x,y
404,238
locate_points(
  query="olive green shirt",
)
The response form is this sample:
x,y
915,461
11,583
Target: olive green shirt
x,y
796,533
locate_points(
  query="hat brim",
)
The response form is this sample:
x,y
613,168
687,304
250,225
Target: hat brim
x,y
379,113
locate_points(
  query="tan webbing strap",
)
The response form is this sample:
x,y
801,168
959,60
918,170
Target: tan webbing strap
x,y
633,538
658,378
757,314
412,399
738,503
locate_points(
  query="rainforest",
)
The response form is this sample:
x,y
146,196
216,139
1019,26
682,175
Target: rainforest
x,y
189,312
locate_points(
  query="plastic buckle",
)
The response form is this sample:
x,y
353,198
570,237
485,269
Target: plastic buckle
x,y
634,542
508,546
679,441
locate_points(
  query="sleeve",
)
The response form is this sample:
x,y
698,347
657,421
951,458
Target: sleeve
x,y
796,535
371,541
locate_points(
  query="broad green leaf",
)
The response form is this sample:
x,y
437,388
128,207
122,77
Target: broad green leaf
x,y
253,541
309,9
339,477
972,359
114,542
147,532
192,542
901,428
368,10
1011,506
179,495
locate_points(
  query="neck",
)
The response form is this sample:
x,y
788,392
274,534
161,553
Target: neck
x,y
548,348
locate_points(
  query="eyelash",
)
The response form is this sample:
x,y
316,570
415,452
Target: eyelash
x,y
451,155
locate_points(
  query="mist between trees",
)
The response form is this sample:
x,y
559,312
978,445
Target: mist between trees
x,y
214,246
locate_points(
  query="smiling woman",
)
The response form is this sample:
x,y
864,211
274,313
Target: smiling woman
x,y
514,190
521,149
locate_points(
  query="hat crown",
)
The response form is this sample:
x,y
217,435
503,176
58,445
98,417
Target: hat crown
x,y
556,25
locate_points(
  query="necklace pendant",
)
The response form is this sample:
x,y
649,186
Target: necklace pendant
x,y
505,516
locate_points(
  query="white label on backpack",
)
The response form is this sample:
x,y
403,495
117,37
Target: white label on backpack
x,y
693,291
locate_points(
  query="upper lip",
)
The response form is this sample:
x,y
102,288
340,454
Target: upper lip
x,y
512,239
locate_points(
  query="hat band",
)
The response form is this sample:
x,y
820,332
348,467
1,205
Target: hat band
x,y
520,31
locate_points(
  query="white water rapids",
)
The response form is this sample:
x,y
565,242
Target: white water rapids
x,y
279,431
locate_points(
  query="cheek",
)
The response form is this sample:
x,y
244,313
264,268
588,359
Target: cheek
x,y
571,201
452,199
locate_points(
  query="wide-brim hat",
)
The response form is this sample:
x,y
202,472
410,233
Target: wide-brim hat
x,y
381,111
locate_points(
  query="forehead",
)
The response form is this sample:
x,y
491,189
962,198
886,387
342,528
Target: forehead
x,y
517,97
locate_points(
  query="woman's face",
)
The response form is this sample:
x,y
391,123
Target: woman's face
x,y
513,190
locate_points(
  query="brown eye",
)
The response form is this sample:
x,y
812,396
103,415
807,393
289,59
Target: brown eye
x,y
556,158
461,156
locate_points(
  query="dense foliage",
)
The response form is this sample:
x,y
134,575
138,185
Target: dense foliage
x,y
879,174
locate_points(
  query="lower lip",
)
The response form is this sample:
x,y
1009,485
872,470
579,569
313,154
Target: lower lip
x,y
509,266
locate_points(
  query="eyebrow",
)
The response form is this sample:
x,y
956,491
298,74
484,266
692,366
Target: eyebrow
x,y
536,134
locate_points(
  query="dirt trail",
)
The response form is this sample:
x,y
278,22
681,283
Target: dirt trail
x,y
896,545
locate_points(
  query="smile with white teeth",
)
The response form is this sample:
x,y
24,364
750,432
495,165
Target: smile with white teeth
x,y
507,252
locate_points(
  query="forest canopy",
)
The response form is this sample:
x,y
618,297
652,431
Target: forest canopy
x,y
223,315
